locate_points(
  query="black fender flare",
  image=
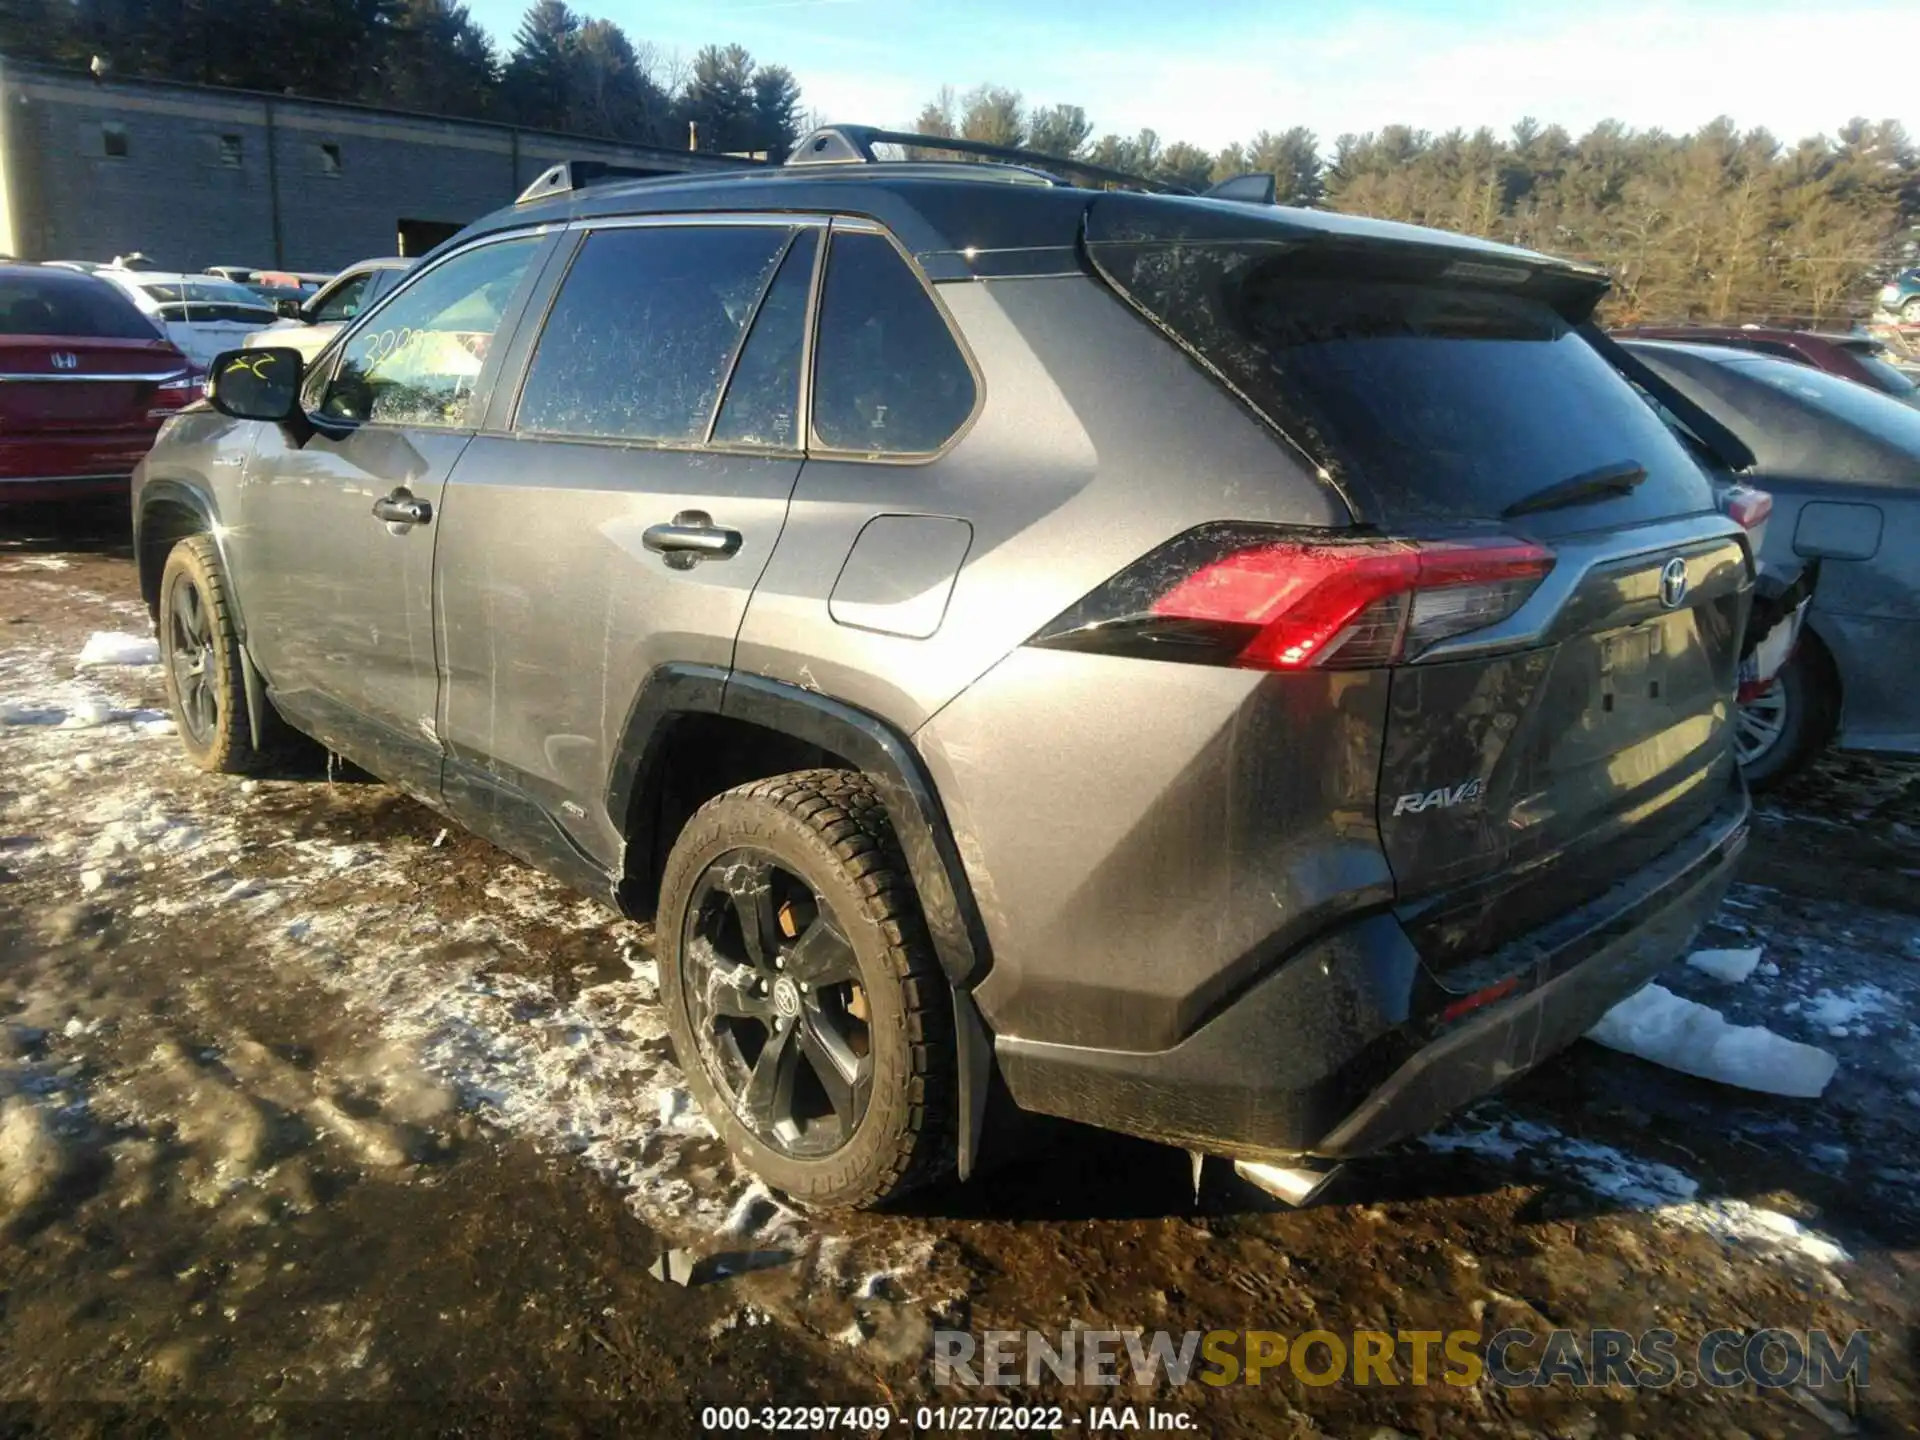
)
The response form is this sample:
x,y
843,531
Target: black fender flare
x,y
889,760
192,497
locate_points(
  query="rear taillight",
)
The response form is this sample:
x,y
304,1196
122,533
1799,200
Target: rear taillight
x,y
1254,596
169,396
1746,506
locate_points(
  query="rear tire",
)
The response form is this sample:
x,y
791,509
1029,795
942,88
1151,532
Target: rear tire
x,y
1782,731
838,1092
200,656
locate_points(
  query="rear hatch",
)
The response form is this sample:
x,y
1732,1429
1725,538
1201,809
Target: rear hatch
x,y
1564,638
51,384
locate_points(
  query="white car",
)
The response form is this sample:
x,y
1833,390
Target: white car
x,y
200,314
322,316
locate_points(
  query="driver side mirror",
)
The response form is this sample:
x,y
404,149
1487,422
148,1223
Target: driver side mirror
x,y
288,308
261,384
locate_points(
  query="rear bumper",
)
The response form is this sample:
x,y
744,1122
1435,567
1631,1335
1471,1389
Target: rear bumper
x,y
67,467
39,489
1343,1049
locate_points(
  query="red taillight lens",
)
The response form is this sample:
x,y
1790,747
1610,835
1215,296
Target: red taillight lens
x,y
1746,506
1244,595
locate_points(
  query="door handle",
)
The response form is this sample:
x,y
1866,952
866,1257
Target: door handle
x,y
400,508
690,538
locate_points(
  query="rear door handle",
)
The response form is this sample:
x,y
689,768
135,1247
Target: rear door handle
x,y
400,508
690,538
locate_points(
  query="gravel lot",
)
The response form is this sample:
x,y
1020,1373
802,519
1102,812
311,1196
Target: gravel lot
x,y
305,1099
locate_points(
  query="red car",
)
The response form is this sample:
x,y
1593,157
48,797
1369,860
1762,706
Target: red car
x,y
85,382
1852,357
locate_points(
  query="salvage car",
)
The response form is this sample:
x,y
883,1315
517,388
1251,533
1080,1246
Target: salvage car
x,y
1843,466
86,381
200,314
1253,678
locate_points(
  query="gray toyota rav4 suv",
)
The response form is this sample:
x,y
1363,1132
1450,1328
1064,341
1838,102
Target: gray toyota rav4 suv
x,y
1247,677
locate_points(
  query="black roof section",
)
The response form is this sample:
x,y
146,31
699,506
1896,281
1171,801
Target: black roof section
x,y
973,220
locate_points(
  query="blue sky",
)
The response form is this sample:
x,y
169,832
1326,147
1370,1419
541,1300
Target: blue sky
x,y
1211,71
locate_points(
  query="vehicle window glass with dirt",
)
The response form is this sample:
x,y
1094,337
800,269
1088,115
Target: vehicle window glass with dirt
x,y
417,362
643,331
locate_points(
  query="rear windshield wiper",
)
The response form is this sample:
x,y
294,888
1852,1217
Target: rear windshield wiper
x,y
1619,478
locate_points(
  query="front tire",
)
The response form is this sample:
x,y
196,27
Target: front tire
x,y
1780,732
200,655
806,1006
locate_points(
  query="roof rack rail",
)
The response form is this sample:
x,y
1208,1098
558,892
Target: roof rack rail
x,y
571,175
853,145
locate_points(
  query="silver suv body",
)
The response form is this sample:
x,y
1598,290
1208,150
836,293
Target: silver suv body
x,y
1251,678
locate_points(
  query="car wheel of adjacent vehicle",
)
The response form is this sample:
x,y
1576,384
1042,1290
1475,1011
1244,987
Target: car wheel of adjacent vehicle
x,y
1777,733
807,1008
200,655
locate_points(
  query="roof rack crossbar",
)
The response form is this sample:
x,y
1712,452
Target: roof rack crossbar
x,y
853,145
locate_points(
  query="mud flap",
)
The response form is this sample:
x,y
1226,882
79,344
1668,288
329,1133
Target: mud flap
x,y
973,1050
256,696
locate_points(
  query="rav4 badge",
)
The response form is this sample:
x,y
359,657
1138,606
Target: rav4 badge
x,y
1445,798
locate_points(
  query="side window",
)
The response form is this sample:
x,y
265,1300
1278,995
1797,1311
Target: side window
x,y
644,330
888,377
418,363
343,303
763,398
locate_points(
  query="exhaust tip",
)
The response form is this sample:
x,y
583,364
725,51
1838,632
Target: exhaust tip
x,y
1298,1184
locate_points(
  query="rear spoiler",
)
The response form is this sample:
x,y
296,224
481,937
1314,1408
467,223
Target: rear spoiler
x,y
1728,448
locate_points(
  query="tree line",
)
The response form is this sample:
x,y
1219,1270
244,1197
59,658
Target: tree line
x,y
562,71
1719,225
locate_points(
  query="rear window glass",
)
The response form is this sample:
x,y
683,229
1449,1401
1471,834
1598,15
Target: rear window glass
x,y
644,329
1887,378
1418,399
888,378
198,292
1879,415
69,305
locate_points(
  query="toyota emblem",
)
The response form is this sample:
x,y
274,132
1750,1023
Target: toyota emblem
x,y
1673,583
65,360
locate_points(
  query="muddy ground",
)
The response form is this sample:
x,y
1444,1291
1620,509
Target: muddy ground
x,y
316,1116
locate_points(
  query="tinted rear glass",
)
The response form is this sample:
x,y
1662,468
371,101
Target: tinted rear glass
x,y
1886,377
195,292
56,304
1419,399
1879,415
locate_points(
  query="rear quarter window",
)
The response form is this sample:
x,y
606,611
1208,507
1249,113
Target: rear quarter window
x,y
888,376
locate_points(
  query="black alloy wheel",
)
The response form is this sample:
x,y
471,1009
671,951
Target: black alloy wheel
x,y
775,1000
190,656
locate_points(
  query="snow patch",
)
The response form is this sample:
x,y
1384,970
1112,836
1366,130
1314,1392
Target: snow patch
x,y
1669,1195
1658,1025
114,647
1729,967
1835,1009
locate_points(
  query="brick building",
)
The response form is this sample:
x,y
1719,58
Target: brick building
x,y
193,176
